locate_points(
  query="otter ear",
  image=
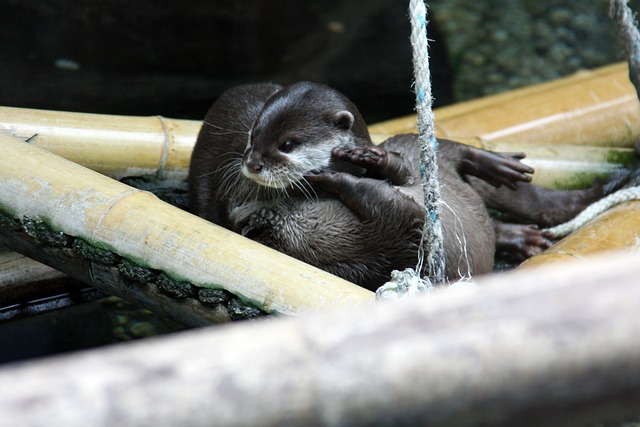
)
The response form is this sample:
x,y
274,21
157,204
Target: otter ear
x,y
343,120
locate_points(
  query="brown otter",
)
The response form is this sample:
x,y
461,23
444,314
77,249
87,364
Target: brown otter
x,y
293,167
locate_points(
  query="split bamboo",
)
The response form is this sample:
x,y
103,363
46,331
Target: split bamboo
x,y
560,348
108,279
139,227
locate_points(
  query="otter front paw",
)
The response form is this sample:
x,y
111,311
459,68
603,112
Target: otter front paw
x,y
370,157
496,168
379,163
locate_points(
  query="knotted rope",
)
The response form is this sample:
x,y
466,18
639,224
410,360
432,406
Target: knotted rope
x,y
408,281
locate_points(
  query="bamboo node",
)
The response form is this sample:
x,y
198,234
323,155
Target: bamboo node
x,y
160,175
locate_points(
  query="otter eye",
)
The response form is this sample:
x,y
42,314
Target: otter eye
x,y
287,146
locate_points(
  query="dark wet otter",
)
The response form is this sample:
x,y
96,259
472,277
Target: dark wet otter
x,y
294,168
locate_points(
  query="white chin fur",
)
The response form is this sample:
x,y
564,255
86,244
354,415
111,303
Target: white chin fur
x,y
260,179
317,157
301,162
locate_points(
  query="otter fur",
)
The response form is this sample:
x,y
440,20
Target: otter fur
x,y
294,168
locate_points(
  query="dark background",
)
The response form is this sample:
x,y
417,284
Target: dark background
x,y
174,57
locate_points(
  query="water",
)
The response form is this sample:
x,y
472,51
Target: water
x,y
65,323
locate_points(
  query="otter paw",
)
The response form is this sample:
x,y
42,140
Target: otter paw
x,y
497,168
521,241
366,157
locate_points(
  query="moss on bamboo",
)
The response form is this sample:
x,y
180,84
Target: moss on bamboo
x,y
43,235
39,232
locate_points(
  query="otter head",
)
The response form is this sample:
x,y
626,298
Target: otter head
x,y
295,132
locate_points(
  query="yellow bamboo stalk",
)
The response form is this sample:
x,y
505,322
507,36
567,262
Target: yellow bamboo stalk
x,y
117,146
572,129
597,107
138,226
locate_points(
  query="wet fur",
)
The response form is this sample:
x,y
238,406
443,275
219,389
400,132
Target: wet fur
x,y
340,213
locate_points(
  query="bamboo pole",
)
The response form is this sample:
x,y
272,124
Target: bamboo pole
x,y
573,129
137,226
561,347
107,278
596,109
117,146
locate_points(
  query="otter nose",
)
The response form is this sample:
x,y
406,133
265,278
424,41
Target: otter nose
x,y
253,162
254,166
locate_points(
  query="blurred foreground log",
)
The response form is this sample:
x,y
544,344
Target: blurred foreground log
x,y
554,346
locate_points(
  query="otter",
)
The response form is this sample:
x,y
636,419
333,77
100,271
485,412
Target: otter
x,y
294,168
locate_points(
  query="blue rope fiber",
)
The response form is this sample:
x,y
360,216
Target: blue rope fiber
x,y
432,241
408,282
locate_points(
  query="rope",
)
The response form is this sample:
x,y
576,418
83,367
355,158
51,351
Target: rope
x,y
432,232
593,210
408,282
630,37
